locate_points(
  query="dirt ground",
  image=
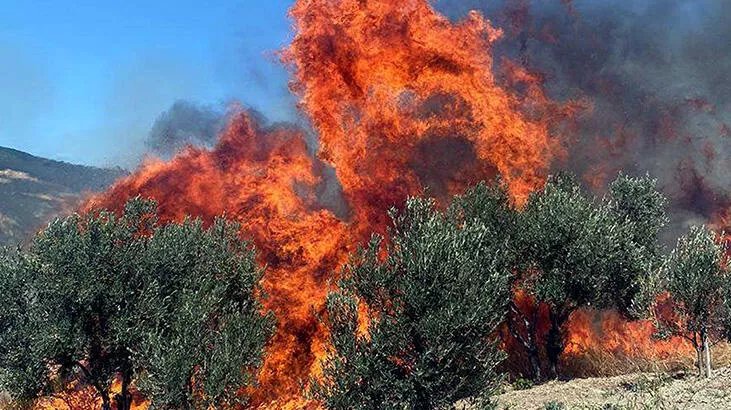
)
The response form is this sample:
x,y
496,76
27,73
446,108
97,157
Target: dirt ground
x,y
629,392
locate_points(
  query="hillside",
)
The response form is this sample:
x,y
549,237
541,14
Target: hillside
x,y
33,189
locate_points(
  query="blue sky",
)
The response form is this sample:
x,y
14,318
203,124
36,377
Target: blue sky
x,y
83,81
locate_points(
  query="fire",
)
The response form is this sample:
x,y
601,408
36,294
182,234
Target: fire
x,y
402,101
388,84
614,335
265,179
599,342
76,397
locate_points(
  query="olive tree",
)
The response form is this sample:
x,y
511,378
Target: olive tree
x,y
575,251
698,283
413,323
99,298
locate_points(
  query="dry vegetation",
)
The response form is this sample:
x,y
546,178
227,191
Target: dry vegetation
x,y
663,384
596,363
4,400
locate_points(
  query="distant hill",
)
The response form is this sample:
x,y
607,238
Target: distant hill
x,y
33,190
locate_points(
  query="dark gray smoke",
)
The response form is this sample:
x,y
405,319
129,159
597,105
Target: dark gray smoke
x,y
659,75
186,123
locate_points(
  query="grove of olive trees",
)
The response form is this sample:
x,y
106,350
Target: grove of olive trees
x,y
414,322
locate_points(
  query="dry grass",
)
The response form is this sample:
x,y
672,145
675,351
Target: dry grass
x,y
5,401
597,363
611,381
639,391
721,355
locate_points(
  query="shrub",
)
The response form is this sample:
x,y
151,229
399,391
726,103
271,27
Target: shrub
x,y
522,384
577,251
99,298
432,298
698,282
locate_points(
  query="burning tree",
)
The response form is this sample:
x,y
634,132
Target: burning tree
x,y
697,280
576,251
401,100
101,299
414,321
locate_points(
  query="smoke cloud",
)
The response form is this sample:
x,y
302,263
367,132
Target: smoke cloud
x,y
657,74
183,124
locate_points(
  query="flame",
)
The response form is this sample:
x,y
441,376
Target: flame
x,y
598,342
388,83
401,100
613,334
265,179
78,397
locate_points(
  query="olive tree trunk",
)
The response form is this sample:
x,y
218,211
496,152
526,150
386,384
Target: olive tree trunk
x,y
706,352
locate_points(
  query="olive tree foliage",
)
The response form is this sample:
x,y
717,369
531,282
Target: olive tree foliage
x,y
696,277
431,297
24,377
98,297
639,211
575,250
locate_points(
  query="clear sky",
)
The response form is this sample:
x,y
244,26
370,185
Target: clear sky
x,y
83,80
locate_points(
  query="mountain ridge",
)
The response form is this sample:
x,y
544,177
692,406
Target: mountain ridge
x,y
34,189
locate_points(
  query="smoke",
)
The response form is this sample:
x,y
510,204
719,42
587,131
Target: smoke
x,y
188,123
656,72
185,123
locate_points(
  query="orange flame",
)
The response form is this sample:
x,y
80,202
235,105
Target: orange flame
x,y
78,397
402,101
612,334
390,83
265,180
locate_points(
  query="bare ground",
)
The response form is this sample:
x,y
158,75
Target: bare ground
x,y
628,392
